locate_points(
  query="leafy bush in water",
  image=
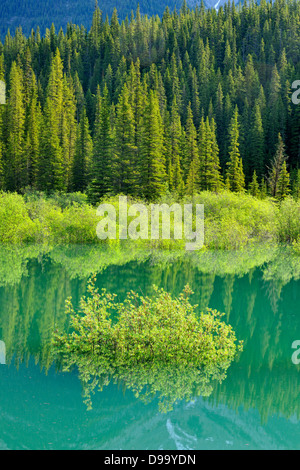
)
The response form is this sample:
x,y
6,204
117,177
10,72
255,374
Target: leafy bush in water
x,y
150,335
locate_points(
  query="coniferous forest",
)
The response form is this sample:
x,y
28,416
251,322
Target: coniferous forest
x,y
195,100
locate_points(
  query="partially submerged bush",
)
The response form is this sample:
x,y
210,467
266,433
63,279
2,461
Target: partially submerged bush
x,y
151,334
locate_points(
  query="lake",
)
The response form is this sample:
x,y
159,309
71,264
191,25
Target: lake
x,y
257,405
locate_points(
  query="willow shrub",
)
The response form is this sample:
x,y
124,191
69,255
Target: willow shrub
x,y
232,220
288,222
150,332
15,224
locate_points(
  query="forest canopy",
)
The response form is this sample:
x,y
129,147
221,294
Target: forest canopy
x,y
196,100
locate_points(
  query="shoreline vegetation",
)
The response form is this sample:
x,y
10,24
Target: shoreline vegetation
x,y
232,220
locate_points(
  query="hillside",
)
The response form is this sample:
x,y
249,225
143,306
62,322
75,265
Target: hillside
x,y
30,13
186,103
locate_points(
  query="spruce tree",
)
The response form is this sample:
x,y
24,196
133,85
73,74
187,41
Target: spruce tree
x,y
33,138
153,175
276,166
54,170
124,168
257,147
191,144
283,186
101,174
296,185
254,186
83,154
15,162
234,165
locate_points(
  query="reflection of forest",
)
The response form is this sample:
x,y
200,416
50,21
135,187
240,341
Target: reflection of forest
x,y
2,353
258,290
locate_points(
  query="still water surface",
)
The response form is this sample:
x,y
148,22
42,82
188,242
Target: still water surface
x,y
256,407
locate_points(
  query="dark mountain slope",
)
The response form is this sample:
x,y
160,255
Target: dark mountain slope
x,y
32,13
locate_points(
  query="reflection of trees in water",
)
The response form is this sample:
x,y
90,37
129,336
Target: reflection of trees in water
x,y
2,353
30,309
228,286
269,391
148,382
262,305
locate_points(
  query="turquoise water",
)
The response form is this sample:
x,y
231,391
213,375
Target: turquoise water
x,y
255,407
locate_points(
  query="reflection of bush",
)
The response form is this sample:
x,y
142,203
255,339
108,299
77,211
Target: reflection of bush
x,y
150,336
167,383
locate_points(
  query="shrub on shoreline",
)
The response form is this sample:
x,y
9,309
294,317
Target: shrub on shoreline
x,y
232,220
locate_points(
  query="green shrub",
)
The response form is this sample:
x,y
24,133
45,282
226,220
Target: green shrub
x,y
288,223
159,328
232,220
296,247
78,225
150,335
15,223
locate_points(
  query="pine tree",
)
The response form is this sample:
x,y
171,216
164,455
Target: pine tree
x,y
256,151
83,154
296,185
263,188
276,110
68,129
254,186
234,166
15,161
153,175
283,186
125,153
193,183
53,172
33,137
51,168
102,178
191,144
215,178
175,135
276,167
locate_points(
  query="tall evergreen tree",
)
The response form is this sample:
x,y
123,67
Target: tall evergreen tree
x,y
276,167
102,178
83,154
125,152
15,161
153,174
235,173
283,186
